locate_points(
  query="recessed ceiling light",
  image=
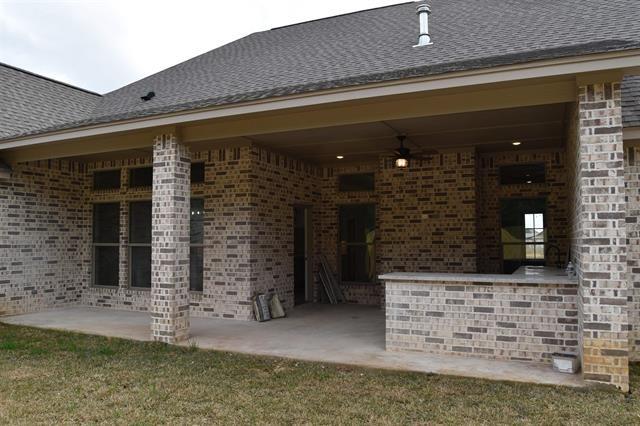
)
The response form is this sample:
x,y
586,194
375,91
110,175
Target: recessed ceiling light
x,y
340,157
516,143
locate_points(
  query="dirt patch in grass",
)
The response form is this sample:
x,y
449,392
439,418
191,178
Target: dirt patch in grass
x,y
57,377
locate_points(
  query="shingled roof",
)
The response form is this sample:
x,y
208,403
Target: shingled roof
x,y
29,102
374,45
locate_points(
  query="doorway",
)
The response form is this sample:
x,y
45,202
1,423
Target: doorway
x,y
301,254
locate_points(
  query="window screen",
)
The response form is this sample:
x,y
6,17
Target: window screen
x,y
107,179
140,243
197,172
141,177
356,182
522,174
106,244
357,237
196,256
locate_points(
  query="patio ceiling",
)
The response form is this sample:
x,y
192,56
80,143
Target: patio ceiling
x,y
535,127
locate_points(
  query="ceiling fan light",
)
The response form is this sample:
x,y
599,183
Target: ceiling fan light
x,y
402,163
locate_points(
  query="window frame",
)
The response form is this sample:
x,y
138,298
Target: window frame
x,y
95,245
535,242
131,245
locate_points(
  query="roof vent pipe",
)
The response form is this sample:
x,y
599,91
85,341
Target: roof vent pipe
x,y
423,11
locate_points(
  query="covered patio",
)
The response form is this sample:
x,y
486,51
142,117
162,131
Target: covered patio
x,y
342,334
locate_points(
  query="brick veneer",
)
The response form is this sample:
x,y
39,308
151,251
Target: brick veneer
x,y
44,257
632,182
490,193
171,213
425,217
601,235
278,183
499,320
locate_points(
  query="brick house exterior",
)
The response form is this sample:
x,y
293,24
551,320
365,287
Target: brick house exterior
x,y
441,215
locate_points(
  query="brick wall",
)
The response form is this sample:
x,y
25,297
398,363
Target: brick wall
x,y
327,224
278,183
499,320
425,217
44,257
226,271
602,235
490,193
632,185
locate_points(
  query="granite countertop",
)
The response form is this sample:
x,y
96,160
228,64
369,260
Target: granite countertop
x,y
523,275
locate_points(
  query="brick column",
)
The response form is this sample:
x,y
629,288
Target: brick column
x,y
601,244
170,240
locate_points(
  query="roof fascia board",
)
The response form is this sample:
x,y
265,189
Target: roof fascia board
x,y
540,69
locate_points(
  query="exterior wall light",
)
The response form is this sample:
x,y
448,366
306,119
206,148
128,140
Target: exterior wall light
x,y
516,143
340,157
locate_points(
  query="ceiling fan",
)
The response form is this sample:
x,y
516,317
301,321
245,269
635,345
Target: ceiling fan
x,y
402,154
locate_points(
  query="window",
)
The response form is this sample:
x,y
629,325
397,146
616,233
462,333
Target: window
x,y
357,236
356,182
106,244
197,172
141,177
523,233
534,236
522,174
140,244
196,226
107,179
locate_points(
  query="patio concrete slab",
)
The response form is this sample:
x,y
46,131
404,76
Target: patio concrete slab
x,y
345,334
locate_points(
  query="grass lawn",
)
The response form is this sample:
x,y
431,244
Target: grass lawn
x,y
59,377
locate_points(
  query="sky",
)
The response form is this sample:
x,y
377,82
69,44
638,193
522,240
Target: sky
x,y
101,45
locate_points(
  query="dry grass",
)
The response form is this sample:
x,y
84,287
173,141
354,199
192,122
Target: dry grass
x,y
57,377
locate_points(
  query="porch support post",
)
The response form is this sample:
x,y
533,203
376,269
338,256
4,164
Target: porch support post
x,y
170,240
601,245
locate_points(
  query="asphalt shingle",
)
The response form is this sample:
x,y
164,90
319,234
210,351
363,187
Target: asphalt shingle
x,y
373,46
29,102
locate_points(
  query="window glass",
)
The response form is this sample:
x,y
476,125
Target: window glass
x,y
534,235
195,268
357,237
140,222
140,243
196,227
356,182
106,265
106,244
107,179
522,174
197,221
141,266
141,177
197,172
106,223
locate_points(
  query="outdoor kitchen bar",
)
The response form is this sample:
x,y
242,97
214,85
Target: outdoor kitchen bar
x,y
527,315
